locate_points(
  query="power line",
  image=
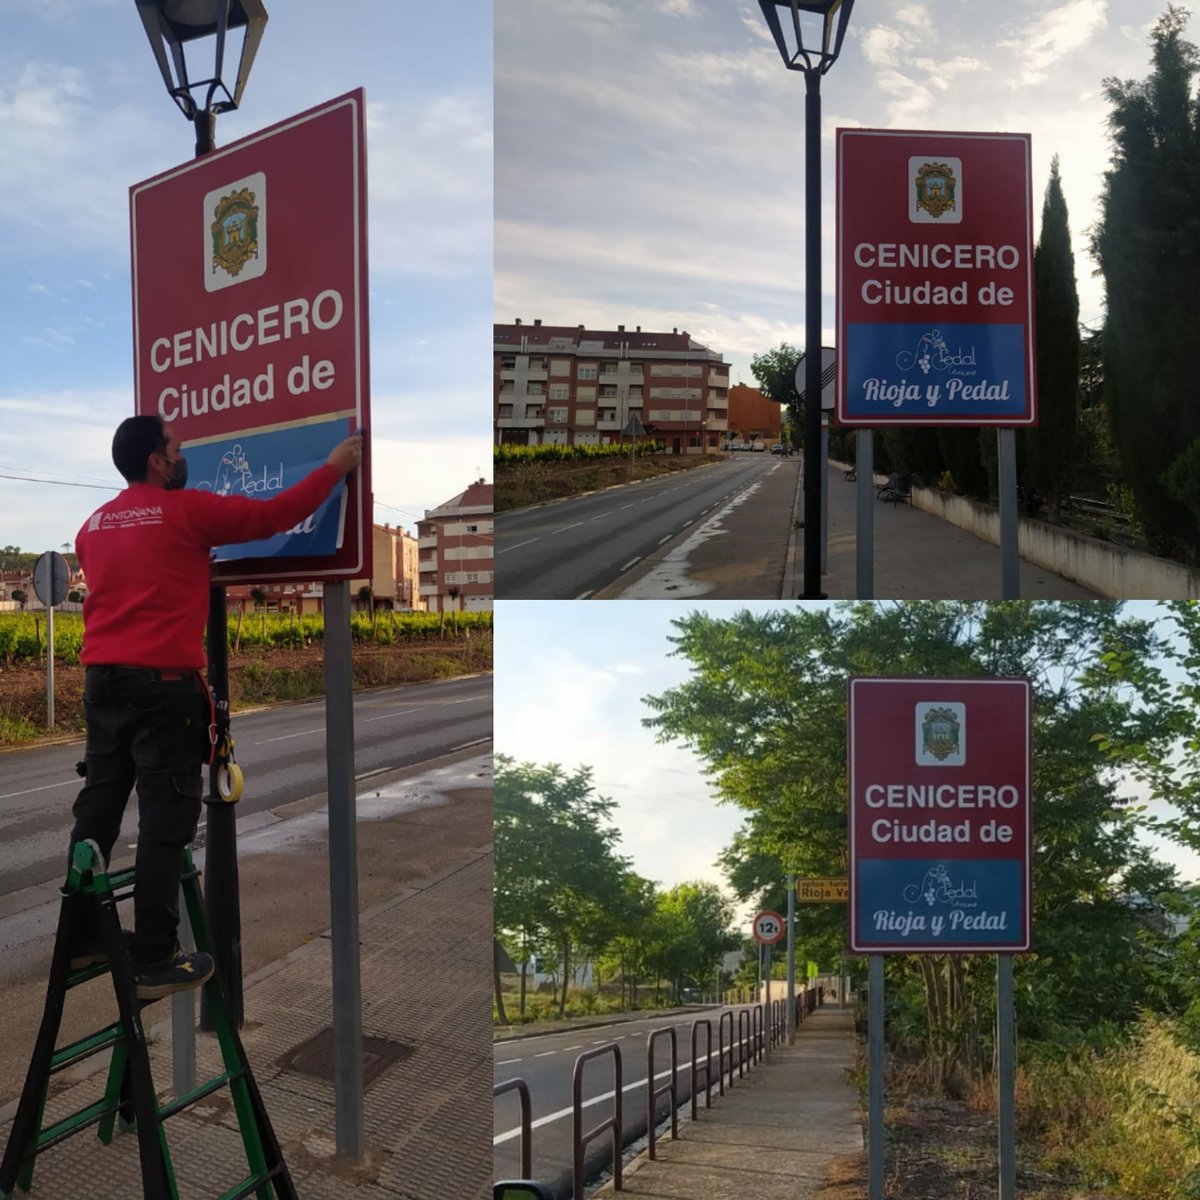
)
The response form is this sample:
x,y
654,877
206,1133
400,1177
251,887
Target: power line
x,y
60,482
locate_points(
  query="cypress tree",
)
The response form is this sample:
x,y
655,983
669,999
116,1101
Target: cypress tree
x,y
1048,450
1147,242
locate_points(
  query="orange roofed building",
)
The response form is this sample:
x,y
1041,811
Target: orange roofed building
x,y
455,546
753,416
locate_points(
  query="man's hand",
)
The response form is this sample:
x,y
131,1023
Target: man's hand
x,y
346,456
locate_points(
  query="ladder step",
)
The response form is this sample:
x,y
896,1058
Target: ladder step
x,y
61,1130
86,1047
252,1183
205,1089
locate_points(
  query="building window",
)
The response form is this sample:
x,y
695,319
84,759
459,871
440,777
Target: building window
x,y
506,411
560,391
508,362
560,366
557,416
586,371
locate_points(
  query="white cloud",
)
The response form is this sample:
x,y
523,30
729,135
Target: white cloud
x,y
882,46
1056,34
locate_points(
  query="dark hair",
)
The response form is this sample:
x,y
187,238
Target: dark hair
x,y
135,440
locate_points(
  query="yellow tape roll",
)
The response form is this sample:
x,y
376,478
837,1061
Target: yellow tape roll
x,y
230,782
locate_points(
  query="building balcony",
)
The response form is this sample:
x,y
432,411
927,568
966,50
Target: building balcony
x,y
519,422
718,381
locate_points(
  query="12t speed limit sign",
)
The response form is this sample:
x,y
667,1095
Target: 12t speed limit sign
x,y
768,928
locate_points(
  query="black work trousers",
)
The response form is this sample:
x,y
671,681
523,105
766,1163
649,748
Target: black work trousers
x,y
146,728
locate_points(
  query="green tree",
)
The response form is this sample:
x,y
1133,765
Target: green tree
x,y
1048,450
556,869
694,933
765,709
775,371
1147,242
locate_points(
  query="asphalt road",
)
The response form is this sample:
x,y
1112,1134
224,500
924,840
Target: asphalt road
x,y
571,548
280,749
546,1064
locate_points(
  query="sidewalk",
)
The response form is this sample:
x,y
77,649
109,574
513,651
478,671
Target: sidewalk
x,y
425,955
773,1135
916,555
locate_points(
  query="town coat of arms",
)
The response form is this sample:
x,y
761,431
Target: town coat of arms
x,y
940,733
936,185
234,231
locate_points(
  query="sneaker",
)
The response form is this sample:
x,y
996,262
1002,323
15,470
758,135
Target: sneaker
x,y
179,972
94,951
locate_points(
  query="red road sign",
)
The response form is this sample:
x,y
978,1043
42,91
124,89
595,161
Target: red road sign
x,y
934,278
768,928
250,322
940,830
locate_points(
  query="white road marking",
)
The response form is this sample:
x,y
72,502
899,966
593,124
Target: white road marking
x,y
368,774
585,595
566,1112
631,563
665,538
545,1054
288,736
44,788
564,528
527,542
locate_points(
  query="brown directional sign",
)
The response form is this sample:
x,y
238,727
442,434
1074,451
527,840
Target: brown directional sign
x,y
819,891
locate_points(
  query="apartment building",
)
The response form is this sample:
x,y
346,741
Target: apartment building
x,y
393,584
455,547
753,416
567,385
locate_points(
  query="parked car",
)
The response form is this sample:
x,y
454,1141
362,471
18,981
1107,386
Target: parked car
x,y
758,447
777,448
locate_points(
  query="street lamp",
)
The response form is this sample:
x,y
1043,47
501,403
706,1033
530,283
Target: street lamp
x,y
810,41
171,24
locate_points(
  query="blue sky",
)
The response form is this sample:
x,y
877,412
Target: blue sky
x,y
650,153
84,114
570,678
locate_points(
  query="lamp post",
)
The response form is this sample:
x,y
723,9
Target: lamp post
x,y
810,42
172,26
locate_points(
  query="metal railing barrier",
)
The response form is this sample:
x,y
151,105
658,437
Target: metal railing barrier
x,y
707,1068
721,1050
743,1041
668,1089
756,1031
522,1089
580,1139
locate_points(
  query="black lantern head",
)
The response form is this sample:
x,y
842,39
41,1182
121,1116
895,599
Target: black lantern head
x,y
809,35
170,24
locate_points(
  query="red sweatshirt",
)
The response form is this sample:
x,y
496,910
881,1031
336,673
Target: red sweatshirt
x,y
146,558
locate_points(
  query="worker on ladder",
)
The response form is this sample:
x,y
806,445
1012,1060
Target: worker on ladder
x,y
150,722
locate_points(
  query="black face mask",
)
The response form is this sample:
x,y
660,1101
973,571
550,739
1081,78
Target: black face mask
x,y
178,479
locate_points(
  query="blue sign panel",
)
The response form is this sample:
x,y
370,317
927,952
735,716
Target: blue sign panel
x,y
926,370
940,901
262,465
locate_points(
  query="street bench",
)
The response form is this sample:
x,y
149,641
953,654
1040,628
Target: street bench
x,y
895,490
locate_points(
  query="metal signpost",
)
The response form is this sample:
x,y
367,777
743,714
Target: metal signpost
x,y
51,579
251,341
935,295
940,847
768,928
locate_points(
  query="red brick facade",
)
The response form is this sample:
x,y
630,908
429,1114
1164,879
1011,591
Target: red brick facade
x,y
567,385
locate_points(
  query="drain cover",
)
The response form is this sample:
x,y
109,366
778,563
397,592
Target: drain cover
x,y
315,1056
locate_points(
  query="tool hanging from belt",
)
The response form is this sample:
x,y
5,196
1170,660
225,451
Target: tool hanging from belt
x,y
229,777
